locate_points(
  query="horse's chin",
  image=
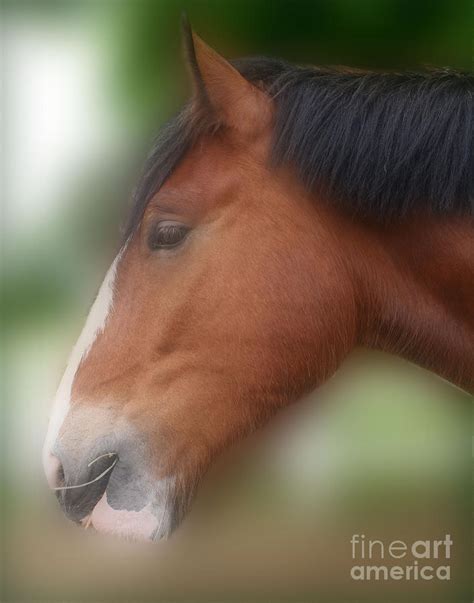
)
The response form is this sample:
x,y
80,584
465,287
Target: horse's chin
x,y
125,510
152,522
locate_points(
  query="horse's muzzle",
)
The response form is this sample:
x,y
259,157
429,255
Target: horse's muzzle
x,y
107,483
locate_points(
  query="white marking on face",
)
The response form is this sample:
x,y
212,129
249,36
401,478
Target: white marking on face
x,y
95,324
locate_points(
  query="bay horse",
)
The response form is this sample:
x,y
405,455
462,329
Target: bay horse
x,y
286,216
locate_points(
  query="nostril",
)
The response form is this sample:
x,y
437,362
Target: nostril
x,y
111,456
81,487
60,475
53,470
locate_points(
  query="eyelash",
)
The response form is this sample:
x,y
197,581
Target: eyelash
x,y
167,235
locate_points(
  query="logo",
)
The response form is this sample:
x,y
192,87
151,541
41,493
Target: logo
x,y
418,560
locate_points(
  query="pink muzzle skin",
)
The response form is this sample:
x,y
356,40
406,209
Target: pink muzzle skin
x,y
136,525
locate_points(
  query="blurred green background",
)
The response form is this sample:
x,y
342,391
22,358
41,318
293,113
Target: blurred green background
x,y
384,449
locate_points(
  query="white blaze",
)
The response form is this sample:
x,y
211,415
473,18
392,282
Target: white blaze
x,y
95,324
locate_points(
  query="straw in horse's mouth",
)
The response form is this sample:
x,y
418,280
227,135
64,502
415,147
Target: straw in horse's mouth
x,y
107,454
87,521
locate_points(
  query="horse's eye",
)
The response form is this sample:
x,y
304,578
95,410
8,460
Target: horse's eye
x,y
167,234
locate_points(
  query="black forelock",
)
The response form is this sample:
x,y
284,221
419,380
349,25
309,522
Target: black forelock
x,y
381,144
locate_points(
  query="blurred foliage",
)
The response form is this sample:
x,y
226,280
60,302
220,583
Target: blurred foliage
x,y
144,36
380,34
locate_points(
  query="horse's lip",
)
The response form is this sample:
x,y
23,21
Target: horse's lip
x,y
151,518
142,525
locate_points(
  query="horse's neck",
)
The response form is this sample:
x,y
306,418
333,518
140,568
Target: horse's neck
x,y
417,284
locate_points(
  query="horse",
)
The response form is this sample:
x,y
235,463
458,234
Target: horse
x,y
287,215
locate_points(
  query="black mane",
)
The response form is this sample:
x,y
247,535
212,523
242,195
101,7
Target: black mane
x,y
382,144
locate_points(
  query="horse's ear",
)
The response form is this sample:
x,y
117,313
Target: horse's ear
x,y
220,89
